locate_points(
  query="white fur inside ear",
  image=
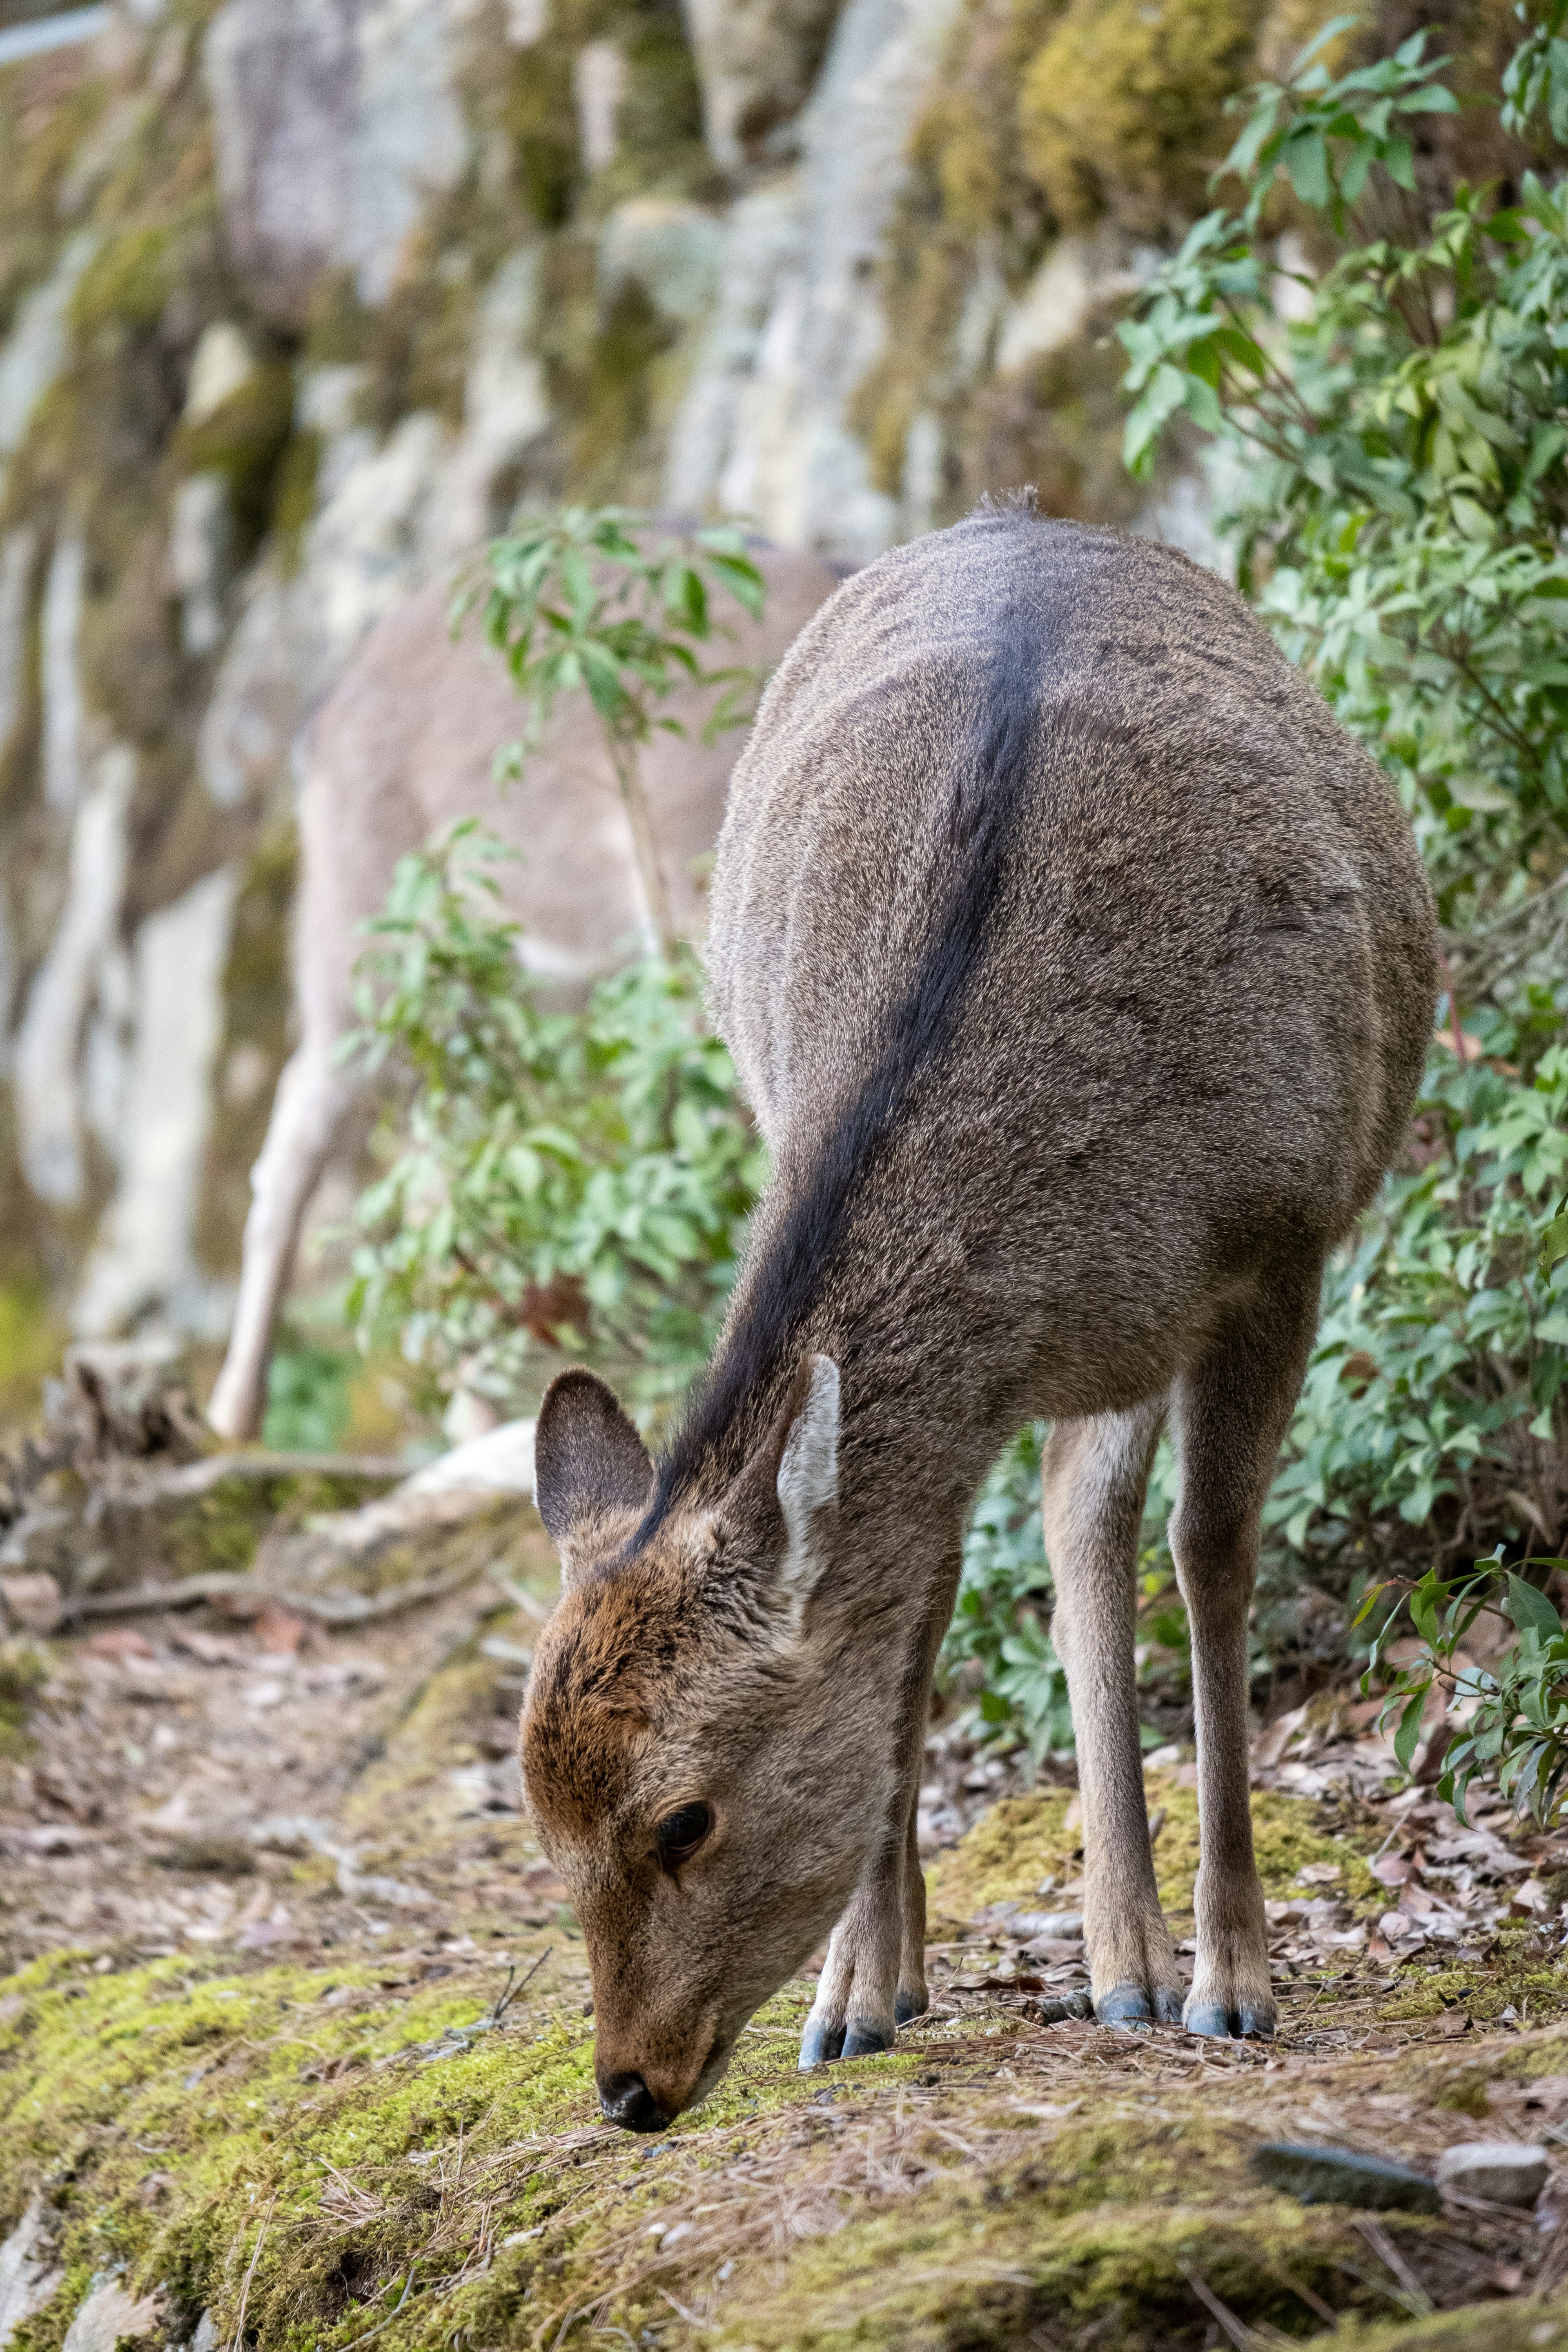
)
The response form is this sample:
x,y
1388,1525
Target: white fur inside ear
x,y
808,1474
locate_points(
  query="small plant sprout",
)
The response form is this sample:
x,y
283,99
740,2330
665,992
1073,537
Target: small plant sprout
x,y
591,601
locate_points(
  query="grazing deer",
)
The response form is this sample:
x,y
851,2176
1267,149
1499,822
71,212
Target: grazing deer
x,y
1079,969
402,749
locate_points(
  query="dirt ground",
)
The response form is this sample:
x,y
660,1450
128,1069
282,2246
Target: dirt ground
x,y
296,2045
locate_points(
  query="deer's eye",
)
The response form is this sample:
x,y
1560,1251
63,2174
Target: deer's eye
x,y
679,1835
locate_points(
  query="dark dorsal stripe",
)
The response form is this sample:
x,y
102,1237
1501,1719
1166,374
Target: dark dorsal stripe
x,y
745,1383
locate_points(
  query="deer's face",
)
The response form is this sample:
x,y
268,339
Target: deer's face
x,y
685,1748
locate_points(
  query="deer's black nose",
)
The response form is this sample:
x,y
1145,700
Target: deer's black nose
x,y
627,2100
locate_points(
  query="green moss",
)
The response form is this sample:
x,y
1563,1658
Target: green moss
x,y
1025,1840
295,502
32,1338
1122,109
539,120
1520,2326
245,441
23,1671
220,1526
954,2267
1508,1978
127,283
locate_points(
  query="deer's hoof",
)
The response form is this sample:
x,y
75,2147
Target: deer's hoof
x,y
863,2039
1245,2020
908,2006
822,2041
1132,2005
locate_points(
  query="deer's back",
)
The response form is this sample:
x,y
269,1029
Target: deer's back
x,y
1050,806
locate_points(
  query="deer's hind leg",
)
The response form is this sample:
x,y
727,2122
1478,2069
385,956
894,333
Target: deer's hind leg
x,y
1094,1478
1232,1410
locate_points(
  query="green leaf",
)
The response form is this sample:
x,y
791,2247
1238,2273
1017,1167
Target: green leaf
x,y
1407,1737
1531,1609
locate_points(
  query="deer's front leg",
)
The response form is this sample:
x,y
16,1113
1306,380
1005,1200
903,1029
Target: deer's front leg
x,y
873,1980
854,2012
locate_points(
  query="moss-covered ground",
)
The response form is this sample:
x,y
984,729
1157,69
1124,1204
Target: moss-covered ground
x,y
338,2113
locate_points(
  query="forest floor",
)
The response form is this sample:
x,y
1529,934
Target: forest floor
x,y
296,2049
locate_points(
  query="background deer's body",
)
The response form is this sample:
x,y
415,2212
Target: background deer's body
x,y
402,749
1080,970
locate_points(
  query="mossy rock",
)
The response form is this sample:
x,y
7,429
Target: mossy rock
x,y
214,1515
1122,110
1023,1840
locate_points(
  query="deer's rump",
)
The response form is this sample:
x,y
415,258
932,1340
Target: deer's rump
x,y
1067,946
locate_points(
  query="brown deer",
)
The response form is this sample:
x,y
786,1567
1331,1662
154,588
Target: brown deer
x,y
401,750
1079,969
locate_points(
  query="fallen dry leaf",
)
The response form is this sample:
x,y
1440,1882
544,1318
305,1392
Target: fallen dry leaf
x,y
280,1630
120,1642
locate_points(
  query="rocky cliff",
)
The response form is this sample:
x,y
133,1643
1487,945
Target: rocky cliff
x,y
298,297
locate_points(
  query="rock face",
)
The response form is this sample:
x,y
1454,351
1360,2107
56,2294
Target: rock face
x,y
334,122
299,308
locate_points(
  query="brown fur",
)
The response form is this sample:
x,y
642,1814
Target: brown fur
x,y
1080,970
401,750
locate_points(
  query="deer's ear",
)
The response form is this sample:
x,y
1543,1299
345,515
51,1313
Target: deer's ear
x,y
587,1458
791,1479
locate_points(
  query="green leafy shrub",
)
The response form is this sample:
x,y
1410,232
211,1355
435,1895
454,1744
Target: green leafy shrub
x,y
1512,1717
591,601
562,1181
1389,465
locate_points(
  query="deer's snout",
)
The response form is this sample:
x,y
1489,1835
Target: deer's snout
x,y
626,2099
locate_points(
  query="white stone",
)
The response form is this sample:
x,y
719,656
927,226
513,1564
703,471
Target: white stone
x,y
64,716
33,351
922,472
674,249
29,2273
200,538
499,1462
45,1064
221,365
754,59
16,551
110,2314
242,748
770,435
333,127
145,1253
1500,2170
365,550
598,86
327,398
1078,275
506,408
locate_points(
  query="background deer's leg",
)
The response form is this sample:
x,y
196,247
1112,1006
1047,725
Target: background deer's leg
x,y
1094,1477
873,1980
312,1097
912,1999
1232,1411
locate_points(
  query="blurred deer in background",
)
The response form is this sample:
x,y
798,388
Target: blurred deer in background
x,y
400,751
1080,970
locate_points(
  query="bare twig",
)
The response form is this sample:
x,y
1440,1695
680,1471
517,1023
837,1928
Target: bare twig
x,y
1387,2253
341,1608
511,1993
250,2272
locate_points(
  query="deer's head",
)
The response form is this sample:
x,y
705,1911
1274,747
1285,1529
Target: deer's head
x,y
694,1758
